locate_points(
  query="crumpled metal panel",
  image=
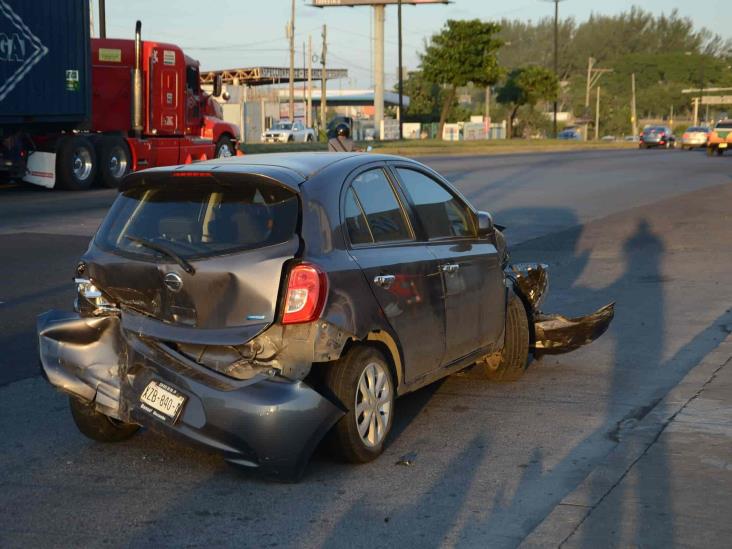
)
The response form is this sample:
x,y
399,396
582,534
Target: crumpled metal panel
x,y
555,333
266,421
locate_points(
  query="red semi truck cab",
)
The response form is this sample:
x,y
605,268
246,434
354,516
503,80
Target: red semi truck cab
x,y
147,110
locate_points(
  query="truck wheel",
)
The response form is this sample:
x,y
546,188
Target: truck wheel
x,y
710,151
720,152
97,426
513,360
291,139
309,138
224,147
76,163
115,161
362,382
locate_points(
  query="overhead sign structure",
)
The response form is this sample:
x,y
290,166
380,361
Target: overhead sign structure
x,y
326,3
378,6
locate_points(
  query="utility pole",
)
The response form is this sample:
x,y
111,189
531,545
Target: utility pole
x,y
401,76
696,111
309,113
671,118
102,20
593,76
633,113
323,101
597,115
291,36
91,18
379,68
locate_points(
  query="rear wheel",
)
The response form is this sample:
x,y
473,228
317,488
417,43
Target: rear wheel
x,y
76,163
710,151
97,426
362,382
115,161
224,147
720,152
513,360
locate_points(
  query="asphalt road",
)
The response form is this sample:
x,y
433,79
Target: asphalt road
x,y
648,229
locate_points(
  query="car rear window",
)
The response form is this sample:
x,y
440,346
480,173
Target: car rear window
x,y
199,216
654,129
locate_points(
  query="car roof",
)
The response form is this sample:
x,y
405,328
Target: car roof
x,y
291,168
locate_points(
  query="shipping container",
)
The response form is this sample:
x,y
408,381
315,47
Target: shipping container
x,y
44,64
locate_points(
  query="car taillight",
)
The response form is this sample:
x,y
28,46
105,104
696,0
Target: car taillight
x,y
686,136
307,287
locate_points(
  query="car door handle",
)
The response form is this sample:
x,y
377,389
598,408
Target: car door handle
x,y
384,281
450,268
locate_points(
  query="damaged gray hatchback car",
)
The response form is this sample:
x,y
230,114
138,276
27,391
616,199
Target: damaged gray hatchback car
x,y
255,305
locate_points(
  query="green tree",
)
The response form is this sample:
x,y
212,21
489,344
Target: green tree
x,y
527,86
463,52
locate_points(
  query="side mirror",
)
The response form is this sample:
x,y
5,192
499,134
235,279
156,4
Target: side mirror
x,y
485,224
218,86
369,149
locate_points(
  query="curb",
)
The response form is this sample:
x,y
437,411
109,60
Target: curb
x,y
576,506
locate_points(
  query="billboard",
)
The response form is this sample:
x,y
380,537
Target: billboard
x,y
328,3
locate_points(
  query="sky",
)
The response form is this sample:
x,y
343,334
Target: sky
x,y
225,34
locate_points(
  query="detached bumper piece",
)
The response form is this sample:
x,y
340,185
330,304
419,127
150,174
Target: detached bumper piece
x,y
554,333
266,422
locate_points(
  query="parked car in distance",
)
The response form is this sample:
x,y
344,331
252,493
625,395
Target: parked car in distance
x,y
257,304
694,136
285,131
720,137
657,136
571,134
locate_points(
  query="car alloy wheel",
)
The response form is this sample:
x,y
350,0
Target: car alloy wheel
x,y
373,404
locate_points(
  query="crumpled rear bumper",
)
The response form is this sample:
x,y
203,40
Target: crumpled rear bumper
x,y
266,421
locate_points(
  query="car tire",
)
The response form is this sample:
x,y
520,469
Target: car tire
x,y
513,360
291,139
97,426
115,161
224,147
362,383
309,138
76,163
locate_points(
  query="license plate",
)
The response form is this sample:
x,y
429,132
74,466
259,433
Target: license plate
x,y
723,145
162,401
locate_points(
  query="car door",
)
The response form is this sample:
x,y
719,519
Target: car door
x,y
474,291
402,273
298,131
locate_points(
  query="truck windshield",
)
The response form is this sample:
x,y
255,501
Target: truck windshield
x,y
282,126
198,219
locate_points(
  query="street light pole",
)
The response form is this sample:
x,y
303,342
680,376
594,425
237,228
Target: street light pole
x,y
556,57
401,70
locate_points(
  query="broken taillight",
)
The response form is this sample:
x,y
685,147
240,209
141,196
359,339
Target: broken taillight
x,y
307,287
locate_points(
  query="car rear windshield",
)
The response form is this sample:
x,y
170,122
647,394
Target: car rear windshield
x,y
655,129
723,126
199,216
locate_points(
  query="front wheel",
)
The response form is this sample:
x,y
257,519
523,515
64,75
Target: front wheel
x,y
309,138
513,359
97,426
224,147
362,382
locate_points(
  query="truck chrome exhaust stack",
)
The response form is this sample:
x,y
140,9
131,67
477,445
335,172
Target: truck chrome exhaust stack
x,y
137,83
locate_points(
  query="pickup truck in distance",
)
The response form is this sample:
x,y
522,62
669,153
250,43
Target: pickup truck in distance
x,y
285,131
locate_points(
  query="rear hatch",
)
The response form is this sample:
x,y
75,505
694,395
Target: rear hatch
x,y
199,252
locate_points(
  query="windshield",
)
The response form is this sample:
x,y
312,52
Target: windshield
x,y
724,126
282,126
198,218
697,129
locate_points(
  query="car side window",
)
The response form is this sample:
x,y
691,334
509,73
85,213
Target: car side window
x,y
441,214
384,214
358,229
